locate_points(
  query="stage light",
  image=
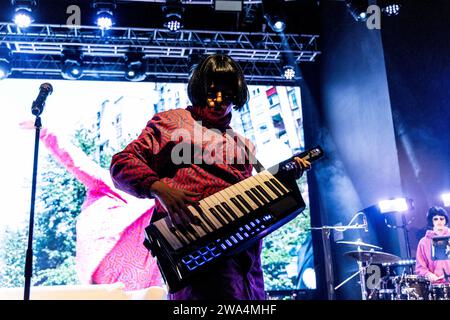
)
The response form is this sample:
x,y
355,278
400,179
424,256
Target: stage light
x,y
5,63
104,17
390,7
274,15
395,205
446,199
23,12
288,72
277,24
392,10
358,9
135,66
72,64
173,15
287,60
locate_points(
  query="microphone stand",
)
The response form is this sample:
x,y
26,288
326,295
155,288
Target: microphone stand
x,y
29,253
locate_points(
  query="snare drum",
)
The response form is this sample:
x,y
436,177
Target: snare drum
x,y
440,291
412,287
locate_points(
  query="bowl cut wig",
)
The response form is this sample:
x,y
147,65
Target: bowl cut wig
x,y
217,68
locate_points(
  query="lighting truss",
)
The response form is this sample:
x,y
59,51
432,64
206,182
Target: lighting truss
x,y
193,2
38,50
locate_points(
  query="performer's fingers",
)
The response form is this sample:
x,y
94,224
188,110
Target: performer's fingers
x,y
189,214
191,193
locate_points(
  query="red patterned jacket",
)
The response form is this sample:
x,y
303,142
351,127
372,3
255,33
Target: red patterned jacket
x,y
180,151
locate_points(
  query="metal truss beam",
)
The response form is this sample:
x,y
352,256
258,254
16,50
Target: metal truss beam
x,y
205,2
38,49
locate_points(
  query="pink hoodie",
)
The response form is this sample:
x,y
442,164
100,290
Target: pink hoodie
x,y
424,262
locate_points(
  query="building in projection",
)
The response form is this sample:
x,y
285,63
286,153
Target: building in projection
x,y
171,96
121,119
272,119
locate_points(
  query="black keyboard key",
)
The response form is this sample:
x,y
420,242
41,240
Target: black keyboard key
x,y
245,203
224,213
205,218
259,196
273,188
254,199
217,216
238,205
176,233
229,210
277,184
265,194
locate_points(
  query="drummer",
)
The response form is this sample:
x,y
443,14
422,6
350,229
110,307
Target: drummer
x,y
435,271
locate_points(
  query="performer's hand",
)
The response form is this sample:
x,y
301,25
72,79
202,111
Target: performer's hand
x,y
302,165
432,277
175,202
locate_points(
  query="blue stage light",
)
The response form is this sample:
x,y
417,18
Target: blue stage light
x,y
23,12
104,17
358,9
173,15
104,20
274,15
72,64
135,66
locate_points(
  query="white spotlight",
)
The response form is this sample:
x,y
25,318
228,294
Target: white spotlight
x,y
289,72
446,199
104,18
23,12
394,205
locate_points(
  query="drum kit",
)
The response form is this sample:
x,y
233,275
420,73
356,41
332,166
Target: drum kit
x,y
391,285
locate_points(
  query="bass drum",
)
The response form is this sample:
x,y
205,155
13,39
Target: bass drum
x,y
440,291
412,287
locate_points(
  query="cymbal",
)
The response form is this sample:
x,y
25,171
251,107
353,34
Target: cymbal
x,y
372,256
359,244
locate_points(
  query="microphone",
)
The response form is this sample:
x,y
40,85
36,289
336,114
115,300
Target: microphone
x,y
45,90
366,229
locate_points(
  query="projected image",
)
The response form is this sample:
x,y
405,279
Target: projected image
x,y
87,231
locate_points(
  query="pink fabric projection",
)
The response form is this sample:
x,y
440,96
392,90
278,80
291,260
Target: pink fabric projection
x,y
110,228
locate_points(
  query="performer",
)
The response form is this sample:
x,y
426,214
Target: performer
x,y
110,228
185,155
433,270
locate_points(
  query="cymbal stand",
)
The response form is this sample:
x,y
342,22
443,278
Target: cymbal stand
x,y
362,277
329,274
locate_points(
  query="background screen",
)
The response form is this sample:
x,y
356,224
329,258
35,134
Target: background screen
x,y
99,118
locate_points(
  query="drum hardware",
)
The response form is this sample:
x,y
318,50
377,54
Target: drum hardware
x,y
439,291
364,259
412,287
359,243
371,256
326,231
